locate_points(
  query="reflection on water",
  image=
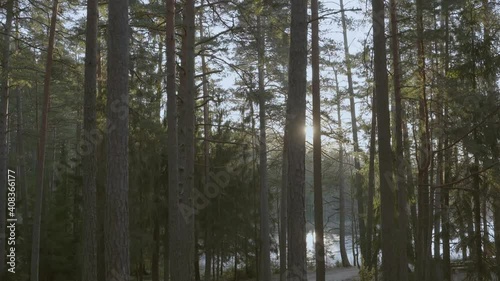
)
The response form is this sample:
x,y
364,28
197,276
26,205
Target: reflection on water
x,y
332,248
332,251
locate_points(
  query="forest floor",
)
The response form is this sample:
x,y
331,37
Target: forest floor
x,y
338,274
334,274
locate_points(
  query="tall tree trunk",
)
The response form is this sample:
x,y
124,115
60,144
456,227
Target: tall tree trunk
x,y
183,262
295,121
206,155
101,206
4,109
400,171
20,156
438,192
155,259
477,218
21,162
52,181
423,228
342,200
172,229
484,215
283,211
437,212
469,221
370,258
462,225
196,257
496,213
155,256
358,178
100,188
445,198
445,205
439,178
116,218
157,114
77,197
354,231
318,185
208,256
255,186
265,243
390,264
166,251
438,196
40,168
89,161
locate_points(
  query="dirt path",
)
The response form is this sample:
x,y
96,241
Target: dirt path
x,y
336,274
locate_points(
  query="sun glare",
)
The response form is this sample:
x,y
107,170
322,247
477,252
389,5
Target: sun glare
x,y
309,133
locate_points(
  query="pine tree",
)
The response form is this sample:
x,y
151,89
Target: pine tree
x,y
116,221
390,264
89,252
318,185
40,168
296,107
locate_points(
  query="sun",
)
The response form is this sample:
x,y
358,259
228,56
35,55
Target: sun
x,y
309,133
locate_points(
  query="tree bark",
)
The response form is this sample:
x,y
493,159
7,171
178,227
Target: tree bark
x,y
166,251
445,205
255,186
21,164
370,258
265,243
155,259
116,218
172,229
206,155
296,109
196,256
318,185
89,161
424,160
438,196
37,220
283,211
342,200
496,215
477,218
445,198
155,256
400,171
183,261
390,264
